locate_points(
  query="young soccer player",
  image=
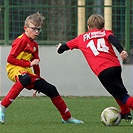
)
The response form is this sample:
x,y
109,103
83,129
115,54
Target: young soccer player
x,y
22,58
96,46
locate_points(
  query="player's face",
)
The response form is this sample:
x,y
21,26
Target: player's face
x,y
32,31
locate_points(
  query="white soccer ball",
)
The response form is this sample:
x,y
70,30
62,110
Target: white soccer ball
x,y
111,116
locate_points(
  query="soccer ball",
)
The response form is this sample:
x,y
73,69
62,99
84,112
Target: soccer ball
x,y
111,116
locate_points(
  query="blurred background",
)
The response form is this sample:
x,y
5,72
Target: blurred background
x,y
64,20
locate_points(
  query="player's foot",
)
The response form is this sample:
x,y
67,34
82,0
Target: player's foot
x,y
2,116
126,116
131,122
72,120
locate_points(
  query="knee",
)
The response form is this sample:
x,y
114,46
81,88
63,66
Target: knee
x,y
25,79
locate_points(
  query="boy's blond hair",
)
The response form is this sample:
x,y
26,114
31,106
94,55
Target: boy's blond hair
x,y
96,21
36,19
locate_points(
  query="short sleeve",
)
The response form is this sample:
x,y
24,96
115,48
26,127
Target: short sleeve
x,y
73,43
108,33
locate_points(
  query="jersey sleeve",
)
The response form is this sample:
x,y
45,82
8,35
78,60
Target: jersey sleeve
x,y
108,33
73,43
114,41
17,47
62,48
36,69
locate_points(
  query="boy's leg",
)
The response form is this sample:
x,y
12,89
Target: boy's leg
x,y
12,94
51,91
61,106
22,82
112,81
125,110
64,111
9,98
129,103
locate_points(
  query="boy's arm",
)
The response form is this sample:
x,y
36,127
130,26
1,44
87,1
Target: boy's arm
x,y
17,47
14,61
36,69
116,43
61,48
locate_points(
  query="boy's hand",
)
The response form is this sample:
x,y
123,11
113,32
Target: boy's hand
x,y
34,62
123,55
58,46
34,93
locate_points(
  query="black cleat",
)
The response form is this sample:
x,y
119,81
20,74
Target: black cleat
x,y
126,116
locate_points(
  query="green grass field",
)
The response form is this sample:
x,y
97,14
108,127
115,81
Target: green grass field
x,y
38,115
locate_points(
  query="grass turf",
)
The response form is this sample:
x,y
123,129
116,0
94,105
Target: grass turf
x,y
38,115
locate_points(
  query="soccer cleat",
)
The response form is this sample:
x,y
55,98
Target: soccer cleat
x,y
2,116
127,117
72,120
132,119
131,122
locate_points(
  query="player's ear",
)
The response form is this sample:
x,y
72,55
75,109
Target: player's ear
x,y
25,27
88,27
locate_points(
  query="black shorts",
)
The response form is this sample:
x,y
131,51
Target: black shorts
x,y
112,81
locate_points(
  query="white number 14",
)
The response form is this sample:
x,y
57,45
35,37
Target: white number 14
x,y
101,46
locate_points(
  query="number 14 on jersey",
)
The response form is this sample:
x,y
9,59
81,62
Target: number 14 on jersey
x,y
100,46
